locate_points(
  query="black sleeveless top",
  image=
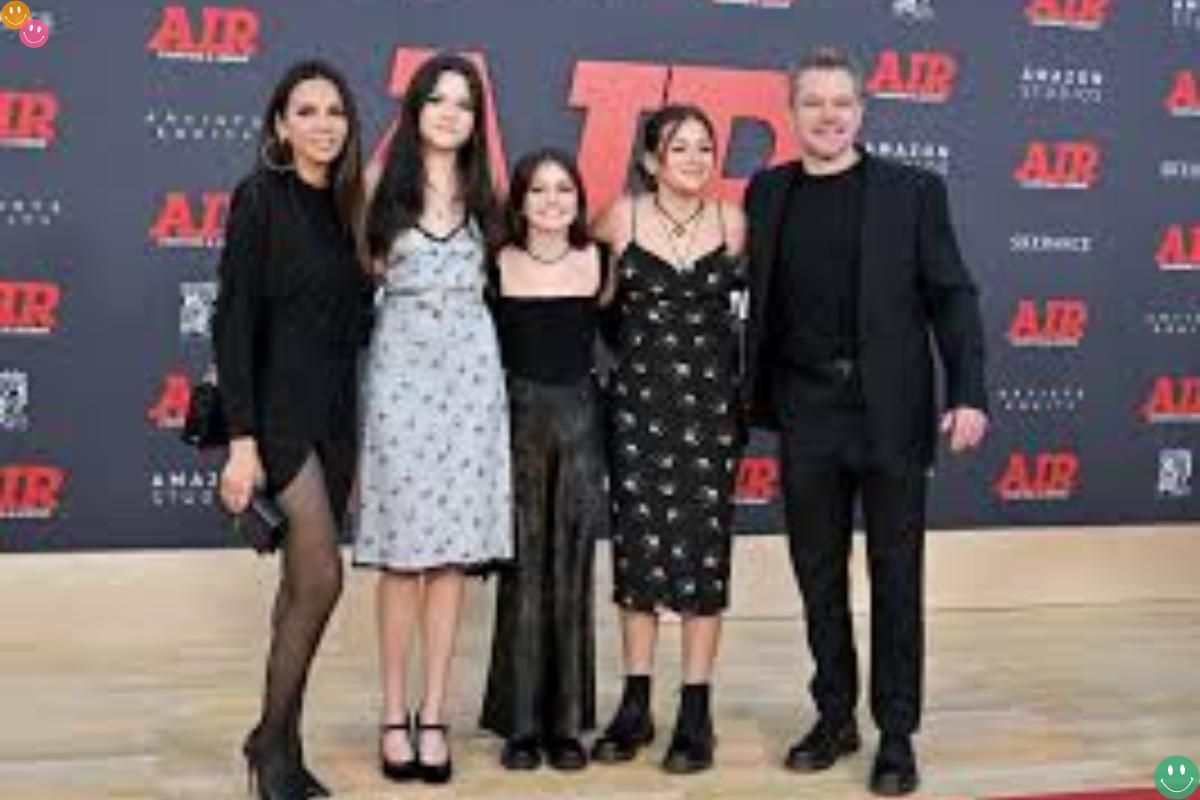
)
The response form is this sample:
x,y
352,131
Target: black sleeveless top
x,y
548,339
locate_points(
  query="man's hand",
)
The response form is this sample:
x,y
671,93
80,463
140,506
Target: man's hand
x,y
965,426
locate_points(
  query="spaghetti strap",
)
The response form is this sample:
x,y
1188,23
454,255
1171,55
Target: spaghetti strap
x,y
492,278
602,269
633,219
721,221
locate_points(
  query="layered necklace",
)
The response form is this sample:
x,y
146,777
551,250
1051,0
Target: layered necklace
x,y
677,227
676,230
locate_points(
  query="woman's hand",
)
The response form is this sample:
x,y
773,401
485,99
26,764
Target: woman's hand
x,y
242,474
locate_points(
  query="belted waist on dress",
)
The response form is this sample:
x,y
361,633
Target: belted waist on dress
x,y
433,294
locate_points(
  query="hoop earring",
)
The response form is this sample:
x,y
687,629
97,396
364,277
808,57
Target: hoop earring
x,y
264,154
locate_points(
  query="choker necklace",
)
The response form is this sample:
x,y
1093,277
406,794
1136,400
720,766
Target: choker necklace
x,y
549,262
678,227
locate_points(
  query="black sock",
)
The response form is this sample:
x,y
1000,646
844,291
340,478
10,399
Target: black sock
x,y
694,714
635,703
637,692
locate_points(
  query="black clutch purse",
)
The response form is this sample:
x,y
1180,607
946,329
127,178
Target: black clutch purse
x,y
204,426
262,524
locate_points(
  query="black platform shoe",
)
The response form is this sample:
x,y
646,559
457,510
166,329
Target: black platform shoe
x,y
398,771
434,773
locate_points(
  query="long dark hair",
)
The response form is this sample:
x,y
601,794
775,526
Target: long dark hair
x,y
345,172
516,226
659,131
400,196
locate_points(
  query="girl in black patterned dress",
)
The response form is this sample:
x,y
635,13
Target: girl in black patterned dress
x,y
673,425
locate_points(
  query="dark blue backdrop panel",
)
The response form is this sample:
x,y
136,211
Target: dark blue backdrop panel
x,y
134,112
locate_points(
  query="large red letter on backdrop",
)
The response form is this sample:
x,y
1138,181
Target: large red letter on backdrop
x,y
731,94
613,95
616,94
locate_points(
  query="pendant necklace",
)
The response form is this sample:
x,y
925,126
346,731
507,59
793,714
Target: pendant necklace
x,y
678,227
682,254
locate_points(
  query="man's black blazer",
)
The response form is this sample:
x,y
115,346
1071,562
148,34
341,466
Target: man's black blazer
x,y
913,282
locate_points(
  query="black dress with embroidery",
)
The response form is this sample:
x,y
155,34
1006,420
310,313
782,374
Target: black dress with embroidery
x,y
673,435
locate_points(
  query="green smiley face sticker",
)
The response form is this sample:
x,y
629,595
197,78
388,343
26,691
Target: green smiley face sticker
x,y
1176,777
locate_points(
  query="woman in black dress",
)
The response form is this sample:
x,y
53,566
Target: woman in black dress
x,y
546,286
673,425
288,323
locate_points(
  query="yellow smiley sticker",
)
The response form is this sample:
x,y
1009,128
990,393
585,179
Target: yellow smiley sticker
x,y
14,14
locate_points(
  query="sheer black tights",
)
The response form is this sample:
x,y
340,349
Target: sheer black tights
x,y
309,587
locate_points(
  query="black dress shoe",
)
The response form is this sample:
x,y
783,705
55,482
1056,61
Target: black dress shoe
x,y
521,753
566,753
398,771
822,746
689,752
621,742
895,770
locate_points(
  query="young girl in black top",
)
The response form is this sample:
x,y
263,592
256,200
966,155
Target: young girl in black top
x,y
288,322
547,284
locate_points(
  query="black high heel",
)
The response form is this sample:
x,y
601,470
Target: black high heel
x,y
434,773
312,786
270,772
398,771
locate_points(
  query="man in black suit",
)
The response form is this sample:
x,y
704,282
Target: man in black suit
x,y
853,263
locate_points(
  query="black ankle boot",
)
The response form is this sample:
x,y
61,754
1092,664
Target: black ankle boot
x,y
631,728
692,744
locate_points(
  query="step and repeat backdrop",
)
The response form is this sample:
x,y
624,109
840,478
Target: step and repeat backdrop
x,y
1068,132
